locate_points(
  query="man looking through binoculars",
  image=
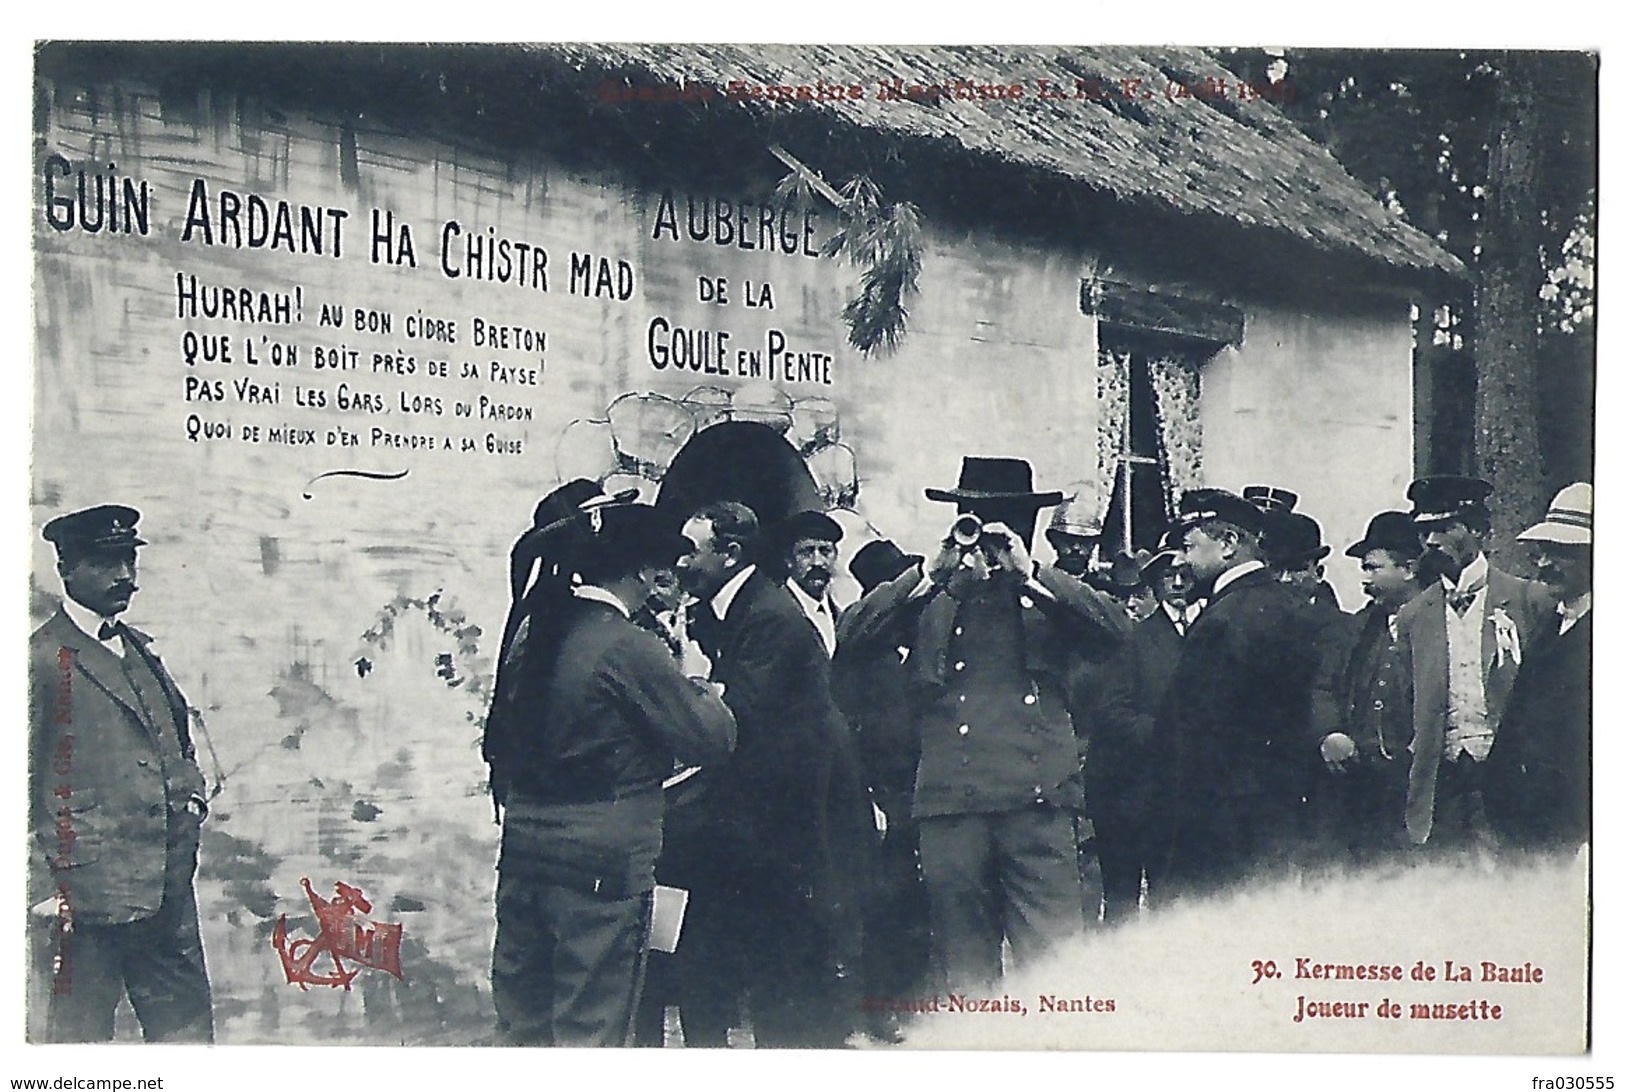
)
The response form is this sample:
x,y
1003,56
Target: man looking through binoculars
x,y
994,639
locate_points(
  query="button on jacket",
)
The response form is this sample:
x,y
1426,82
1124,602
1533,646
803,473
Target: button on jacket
x,y
110,757
990,685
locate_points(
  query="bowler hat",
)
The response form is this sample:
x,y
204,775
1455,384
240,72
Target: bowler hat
x,y
994,479
1199,506
89,530
1446,497
1391,531
878,562
1270,497
1292,540
1568,520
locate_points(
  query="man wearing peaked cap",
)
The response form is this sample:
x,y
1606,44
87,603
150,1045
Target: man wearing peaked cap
x,y
1537,782
1237,702
994,639
1361,725
116,803
604,716
1461,644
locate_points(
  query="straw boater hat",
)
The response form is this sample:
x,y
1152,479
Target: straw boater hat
x,y
1075,517
1568,520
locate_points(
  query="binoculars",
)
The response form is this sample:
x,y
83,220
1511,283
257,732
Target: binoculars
x,y
968,533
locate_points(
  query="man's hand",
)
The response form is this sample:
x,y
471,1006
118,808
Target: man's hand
x,y
1337,750
1008,552
947,561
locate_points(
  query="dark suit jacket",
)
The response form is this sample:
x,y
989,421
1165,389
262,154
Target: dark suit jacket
x,y
1238,703
791,800
1537,781
1127,772
1424,662
98,801
872,688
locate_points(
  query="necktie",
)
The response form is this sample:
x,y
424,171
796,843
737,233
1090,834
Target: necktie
x,y
1462,599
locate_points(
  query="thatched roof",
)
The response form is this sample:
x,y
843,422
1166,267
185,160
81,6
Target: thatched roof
x,y
1231,157
1227,180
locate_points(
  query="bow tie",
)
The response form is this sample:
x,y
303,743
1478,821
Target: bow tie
x,y
109,630
1461,600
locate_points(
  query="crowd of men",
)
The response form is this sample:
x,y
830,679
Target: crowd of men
x,y
853,808
983,754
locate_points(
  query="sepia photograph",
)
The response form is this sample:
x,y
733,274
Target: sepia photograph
x,y
868,547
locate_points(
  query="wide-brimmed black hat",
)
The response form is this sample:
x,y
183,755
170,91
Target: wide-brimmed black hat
x,y
1199,506
994,479
1292,540
92,530
1391,531
879,562
1446,497
1270,497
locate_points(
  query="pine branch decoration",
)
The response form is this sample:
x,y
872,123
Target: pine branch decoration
x,y
884,241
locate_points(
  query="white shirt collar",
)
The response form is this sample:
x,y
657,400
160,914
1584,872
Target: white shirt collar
x,y
89,622
1573,612
808,603
1191,610
1476,572
823,620
594,594
1230,576
724,599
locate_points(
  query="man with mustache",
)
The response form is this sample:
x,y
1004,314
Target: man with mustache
x,y
1460,646
775,908
116,802
1537,782
1237,702
810,543
1362,729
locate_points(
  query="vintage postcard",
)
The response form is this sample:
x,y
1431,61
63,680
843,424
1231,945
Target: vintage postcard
x,y
317,326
